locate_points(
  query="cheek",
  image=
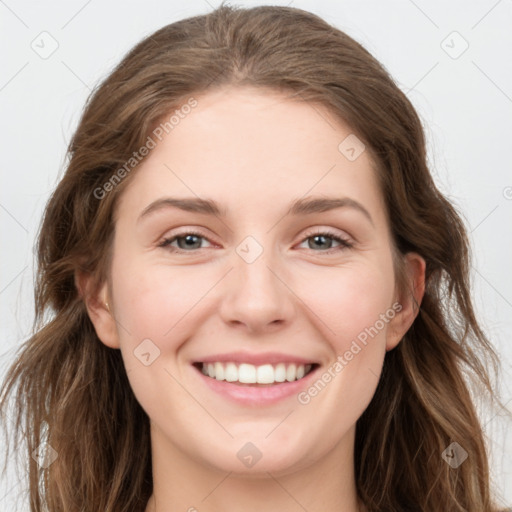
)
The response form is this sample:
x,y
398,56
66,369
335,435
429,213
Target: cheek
x,y
353,309
156,307
157,301
349,301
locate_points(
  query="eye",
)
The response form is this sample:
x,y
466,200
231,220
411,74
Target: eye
x,y
320,238
191,240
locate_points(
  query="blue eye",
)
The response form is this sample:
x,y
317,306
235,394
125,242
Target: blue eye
x,y
190,241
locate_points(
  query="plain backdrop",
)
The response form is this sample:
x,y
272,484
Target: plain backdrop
x,y
449,57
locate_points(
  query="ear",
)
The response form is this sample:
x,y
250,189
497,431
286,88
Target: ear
x,y
410,299
99,308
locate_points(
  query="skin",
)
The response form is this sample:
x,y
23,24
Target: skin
x,y
253,152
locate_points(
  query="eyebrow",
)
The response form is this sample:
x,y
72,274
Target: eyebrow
x,y
302,206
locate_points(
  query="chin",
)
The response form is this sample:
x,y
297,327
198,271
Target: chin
x,y
257,460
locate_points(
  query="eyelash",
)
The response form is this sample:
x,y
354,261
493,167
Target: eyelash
x,y
344,243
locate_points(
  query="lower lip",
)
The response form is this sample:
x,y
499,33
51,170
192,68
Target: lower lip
x,y
257,395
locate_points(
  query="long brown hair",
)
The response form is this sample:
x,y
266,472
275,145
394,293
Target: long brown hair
x,y
71,391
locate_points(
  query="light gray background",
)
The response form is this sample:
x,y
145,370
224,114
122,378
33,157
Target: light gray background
x,y
464,99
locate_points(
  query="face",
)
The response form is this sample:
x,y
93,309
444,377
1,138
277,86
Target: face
x,y
266,288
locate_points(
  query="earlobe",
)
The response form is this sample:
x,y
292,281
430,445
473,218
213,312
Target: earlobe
x,y
410,299
99,310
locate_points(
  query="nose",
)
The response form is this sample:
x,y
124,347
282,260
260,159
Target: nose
x,y
256,296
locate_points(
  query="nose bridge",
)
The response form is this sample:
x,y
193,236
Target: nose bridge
x,y
256,295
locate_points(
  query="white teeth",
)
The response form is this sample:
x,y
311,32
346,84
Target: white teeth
x,y
219,371
250,374
246,374
231,373
265,374
280,372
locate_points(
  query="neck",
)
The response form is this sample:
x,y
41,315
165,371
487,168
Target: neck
x,y
323,485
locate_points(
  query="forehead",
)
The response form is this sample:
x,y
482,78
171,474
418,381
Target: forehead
x,y
252,149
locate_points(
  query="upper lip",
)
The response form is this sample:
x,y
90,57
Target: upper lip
x,y
255,359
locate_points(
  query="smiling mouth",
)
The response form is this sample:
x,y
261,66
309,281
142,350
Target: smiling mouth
x,y
243,374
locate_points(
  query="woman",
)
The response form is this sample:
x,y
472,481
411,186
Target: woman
x,y
252,370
